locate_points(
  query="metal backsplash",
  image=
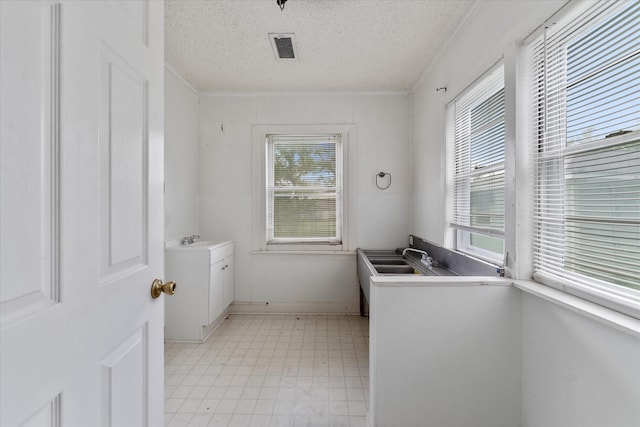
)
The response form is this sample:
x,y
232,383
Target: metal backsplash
x,y
456,261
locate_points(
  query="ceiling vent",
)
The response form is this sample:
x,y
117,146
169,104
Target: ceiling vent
x,y
284,46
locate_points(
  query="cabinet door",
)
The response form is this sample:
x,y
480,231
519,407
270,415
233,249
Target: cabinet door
x,y
229,280
216,290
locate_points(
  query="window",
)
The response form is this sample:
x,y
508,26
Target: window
x,y
478,167
586,114
304,189
300,196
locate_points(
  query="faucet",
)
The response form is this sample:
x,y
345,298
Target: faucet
x,y
187,240
425,258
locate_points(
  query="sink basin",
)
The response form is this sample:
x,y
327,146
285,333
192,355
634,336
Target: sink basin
x,y
196,246
388,261
391,263
396,269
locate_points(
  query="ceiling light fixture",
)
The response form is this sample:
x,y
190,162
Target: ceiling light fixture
x,y
281,3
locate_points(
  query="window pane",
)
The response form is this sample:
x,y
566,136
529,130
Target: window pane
x,y
487,201
602,214
304,215
603,70
487,243
487,132
304,164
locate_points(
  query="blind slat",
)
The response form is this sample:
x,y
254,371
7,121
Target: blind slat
x,y
587,188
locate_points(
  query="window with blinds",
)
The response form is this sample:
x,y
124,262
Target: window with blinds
x,y
586,114
304,189
478,167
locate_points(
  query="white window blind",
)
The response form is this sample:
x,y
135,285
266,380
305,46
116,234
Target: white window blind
x,y
586,99
478,167
304,189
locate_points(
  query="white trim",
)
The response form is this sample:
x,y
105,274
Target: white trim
x,y
621,299
336,307
511,105
180,77
215,94
609,317
411,168
521,242
449,143
207,330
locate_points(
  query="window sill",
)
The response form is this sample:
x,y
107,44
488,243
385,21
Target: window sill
x,y
578,305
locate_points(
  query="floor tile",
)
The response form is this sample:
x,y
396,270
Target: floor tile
x,y
199,420
271,370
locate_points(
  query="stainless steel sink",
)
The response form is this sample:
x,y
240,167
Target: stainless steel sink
x,y
388,261
395,269
391,263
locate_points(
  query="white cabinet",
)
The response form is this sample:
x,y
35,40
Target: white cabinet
x,y
204,278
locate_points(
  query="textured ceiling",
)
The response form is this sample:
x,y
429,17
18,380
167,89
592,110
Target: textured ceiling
x,y
342,45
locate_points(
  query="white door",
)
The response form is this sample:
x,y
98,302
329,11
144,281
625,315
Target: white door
x,y
81,213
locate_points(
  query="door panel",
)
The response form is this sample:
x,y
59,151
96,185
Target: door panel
x,y
123,166
124,400
81,213
28,159
47,416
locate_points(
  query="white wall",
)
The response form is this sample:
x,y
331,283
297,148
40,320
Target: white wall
x,y
445,354
457,353
319,282
577,372
488,34
180,158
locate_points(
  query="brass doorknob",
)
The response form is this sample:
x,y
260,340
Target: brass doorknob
x,y
157,288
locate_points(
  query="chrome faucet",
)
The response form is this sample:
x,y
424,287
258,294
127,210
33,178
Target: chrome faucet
x,y
425,258
187,240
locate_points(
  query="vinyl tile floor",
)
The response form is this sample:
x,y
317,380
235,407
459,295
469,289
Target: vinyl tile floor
x,y
271,370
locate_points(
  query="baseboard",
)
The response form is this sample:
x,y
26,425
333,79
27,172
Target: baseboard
x,y
206,330
350,308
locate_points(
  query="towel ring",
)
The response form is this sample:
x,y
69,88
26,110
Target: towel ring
x,y
382,175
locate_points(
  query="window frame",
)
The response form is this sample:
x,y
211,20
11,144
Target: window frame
x,y
460,235
617,297
273,188
259,243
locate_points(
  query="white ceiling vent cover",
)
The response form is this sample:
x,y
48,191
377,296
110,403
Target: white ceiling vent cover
x,y
284,46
